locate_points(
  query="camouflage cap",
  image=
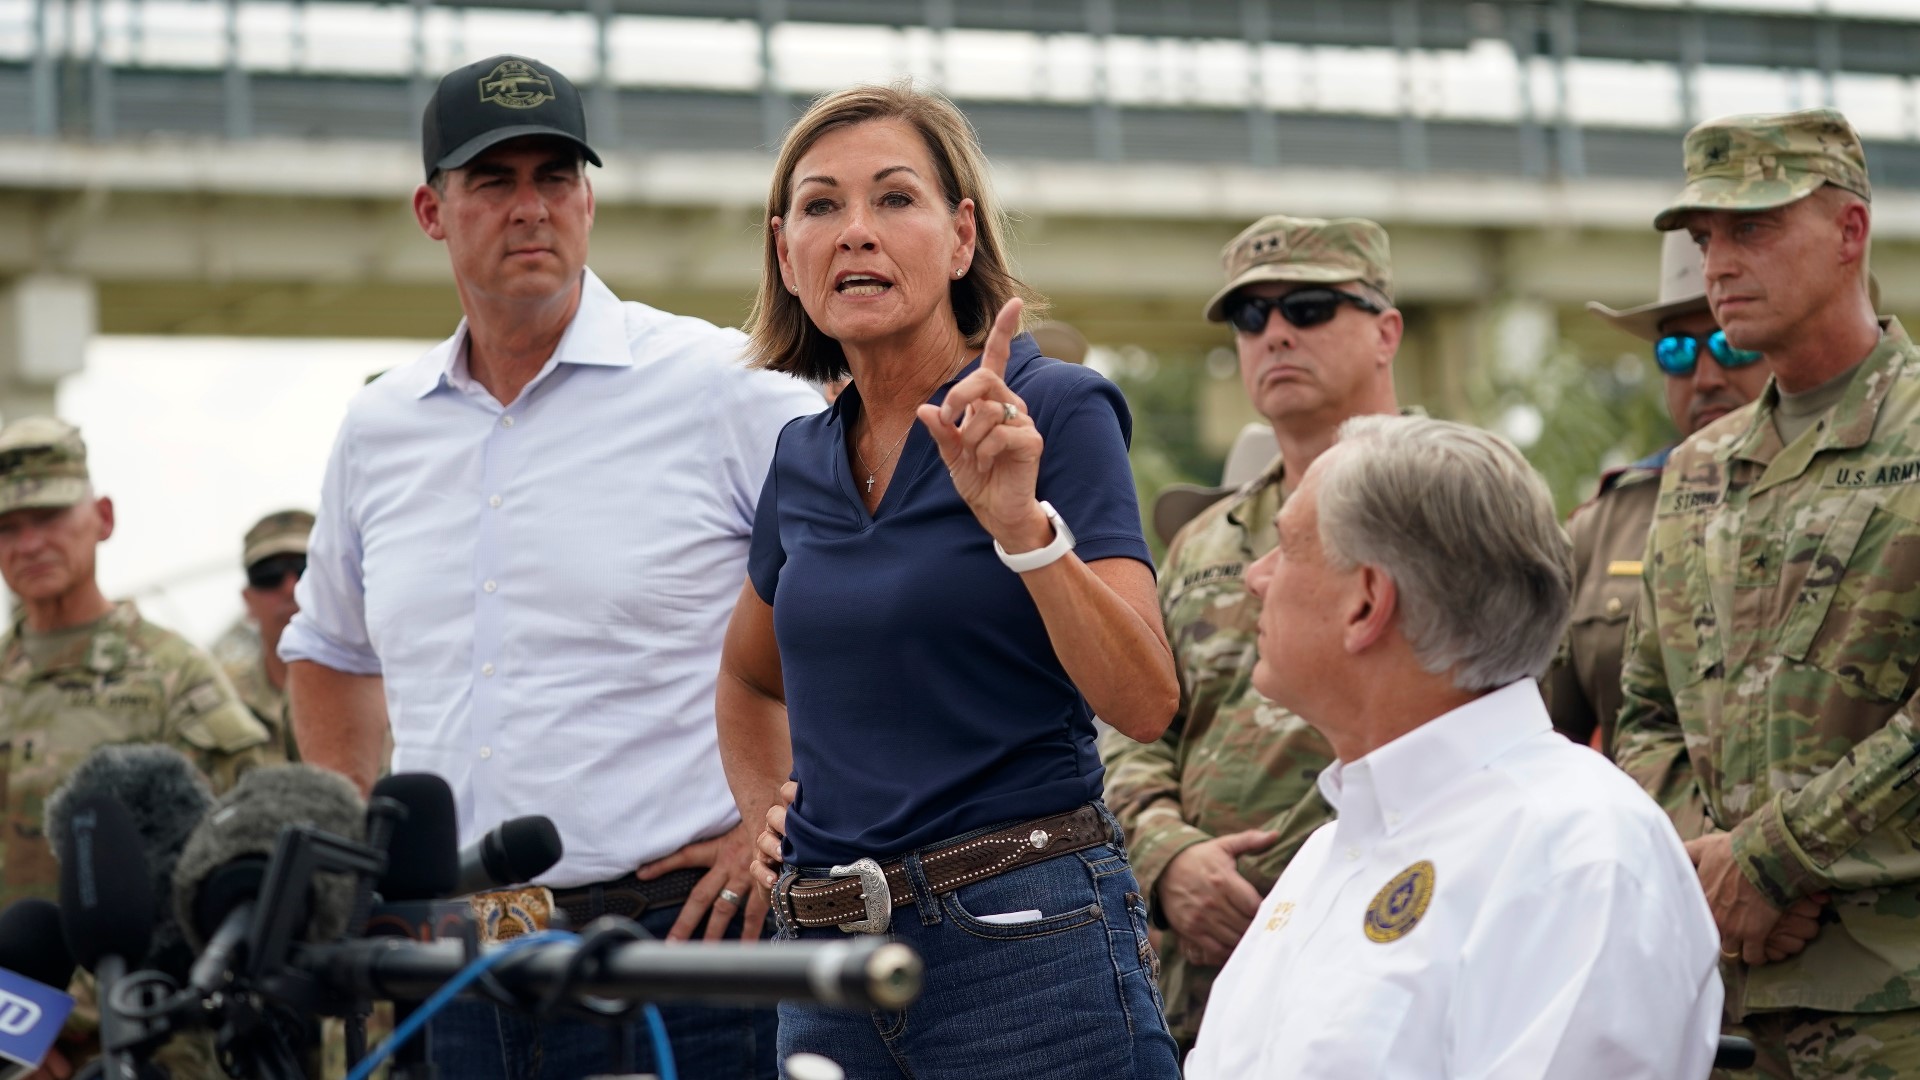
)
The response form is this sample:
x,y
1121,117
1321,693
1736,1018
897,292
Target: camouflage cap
x,y
43,462
1763,160
283,532
1306,250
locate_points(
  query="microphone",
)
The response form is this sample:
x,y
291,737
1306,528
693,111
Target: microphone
x,y
35,967
225,859
513,853
106,908
423,864
423,860
166,797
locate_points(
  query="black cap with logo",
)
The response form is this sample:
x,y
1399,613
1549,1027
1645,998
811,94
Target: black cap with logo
x,y
496,99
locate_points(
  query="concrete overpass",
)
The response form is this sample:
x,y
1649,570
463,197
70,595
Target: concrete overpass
x,y
231,200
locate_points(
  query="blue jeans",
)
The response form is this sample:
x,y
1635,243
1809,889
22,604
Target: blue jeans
x,y
478,1040
1071,995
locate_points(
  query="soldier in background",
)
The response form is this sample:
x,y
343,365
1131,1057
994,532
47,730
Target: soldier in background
x,y
274,554
1705,379
1774,645
78,671
1215,808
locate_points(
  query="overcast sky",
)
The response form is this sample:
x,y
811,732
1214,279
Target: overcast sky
x,y
195,439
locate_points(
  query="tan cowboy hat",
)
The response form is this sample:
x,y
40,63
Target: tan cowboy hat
x,y
1253,450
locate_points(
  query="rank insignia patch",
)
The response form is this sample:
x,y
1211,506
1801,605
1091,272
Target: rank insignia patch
x,y
1396,908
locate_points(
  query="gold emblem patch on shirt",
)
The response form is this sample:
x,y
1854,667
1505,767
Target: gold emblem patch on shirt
x,y
1624,568
1396,908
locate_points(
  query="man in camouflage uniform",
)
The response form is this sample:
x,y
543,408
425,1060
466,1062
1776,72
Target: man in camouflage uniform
x,y
1779,620
1610,531
1215,808
274,555
78,672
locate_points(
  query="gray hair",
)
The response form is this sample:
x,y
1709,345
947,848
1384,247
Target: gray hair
x,y
1467,531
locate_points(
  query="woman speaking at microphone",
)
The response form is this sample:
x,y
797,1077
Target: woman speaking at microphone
x,y
947,583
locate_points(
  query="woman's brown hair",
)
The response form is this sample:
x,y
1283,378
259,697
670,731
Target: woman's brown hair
x,y
780,335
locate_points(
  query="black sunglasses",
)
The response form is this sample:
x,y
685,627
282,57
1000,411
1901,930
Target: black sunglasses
x,y
1302,307
268,573
1679,354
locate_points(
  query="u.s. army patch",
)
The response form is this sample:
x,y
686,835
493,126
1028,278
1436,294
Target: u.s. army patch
x,y
1396,908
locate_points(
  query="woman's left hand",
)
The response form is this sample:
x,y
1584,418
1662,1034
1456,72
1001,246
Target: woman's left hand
x,y
990,445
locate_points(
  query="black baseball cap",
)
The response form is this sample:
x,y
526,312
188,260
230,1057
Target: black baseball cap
x,y
496,99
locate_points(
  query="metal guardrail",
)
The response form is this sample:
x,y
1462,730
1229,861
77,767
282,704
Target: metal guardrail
x,y
89,97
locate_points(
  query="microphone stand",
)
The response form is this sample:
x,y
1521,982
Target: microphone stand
x,y
384,817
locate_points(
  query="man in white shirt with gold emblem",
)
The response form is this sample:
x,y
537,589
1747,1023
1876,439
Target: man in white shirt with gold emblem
x,y
1492,900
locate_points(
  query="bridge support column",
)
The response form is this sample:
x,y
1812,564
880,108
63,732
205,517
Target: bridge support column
x,y
46,322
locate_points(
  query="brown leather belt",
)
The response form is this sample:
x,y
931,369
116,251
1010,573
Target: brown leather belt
x,y
626,896
816,902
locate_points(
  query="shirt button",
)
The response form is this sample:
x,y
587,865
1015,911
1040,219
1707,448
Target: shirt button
x,y
486,752
1613,605
490,586
494,501
1353,854
506,421
1393,818
487,669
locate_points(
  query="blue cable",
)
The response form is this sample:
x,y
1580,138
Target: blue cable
x,y
478,966
662,1049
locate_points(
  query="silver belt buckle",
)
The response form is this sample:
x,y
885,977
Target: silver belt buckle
x,y
873,890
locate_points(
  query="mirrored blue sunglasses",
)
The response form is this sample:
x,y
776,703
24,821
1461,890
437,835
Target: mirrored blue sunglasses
x,y
1677,354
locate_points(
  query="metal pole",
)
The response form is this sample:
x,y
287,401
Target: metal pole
x,y
1263,134
773,101
605,121
1826,51
1413,130
100,81
43,90
1564,21
239,100
1107,142
1525,36
419,86
1693,54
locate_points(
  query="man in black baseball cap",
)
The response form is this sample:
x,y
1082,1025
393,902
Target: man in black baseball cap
x,y
581,457
496,99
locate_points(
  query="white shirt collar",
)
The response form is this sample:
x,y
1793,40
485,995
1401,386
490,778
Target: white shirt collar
x,y
596,337
1388,786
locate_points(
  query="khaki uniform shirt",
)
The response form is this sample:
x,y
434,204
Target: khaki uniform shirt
x,y
1609,536
1232,760
120,679
267,702
1772,663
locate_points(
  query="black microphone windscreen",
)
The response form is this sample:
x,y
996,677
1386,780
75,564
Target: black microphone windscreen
x,y
245,823
106,896
532,846
33,944
167,797
423,857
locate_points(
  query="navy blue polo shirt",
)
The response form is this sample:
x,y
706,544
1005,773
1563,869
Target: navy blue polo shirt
x,y
923,693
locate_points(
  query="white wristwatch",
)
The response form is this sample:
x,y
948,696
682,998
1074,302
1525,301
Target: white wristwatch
x,y
1039,557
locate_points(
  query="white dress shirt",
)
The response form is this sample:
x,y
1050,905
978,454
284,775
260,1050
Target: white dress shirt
x,y
544,585
1562,932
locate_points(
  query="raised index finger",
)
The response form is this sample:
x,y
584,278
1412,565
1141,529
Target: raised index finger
x,y
1006,324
